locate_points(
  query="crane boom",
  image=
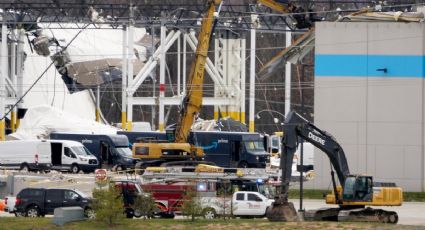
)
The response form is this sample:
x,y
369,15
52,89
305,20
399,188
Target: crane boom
x,y
192,102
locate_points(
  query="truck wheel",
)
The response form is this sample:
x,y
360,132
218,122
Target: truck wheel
x,y
138,214
243,164
75,169
32,211
24,168
129,214
209,213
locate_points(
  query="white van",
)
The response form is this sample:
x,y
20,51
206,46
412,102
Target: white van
x,y
28,155
71,156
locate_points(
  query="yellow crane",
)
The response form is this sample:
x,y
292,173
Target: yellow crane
x,y
157,153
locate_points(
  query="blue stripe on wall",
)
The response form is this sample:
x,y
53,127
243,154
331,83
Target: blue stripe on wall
x,y
368,65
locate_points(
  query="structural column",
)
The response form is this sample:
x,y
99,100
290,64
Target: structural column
x,y
162,78
288,75
124,79
243,81
130,40
13,78
3,75
252,76
19,71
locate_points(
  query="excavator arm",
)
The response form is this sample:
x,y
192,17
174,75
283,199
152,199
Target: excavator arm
x,y
192,102
301,18
296,126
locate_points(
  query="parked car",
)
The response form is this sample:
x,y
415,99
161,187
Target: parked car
x,y
35,202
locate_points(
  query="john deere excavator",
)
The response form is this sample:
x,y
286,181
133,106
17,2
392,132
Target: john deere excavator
x,y
354,193
177,148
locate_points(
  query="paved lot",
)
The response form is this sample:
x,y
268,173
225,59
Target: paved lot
x,y
411,213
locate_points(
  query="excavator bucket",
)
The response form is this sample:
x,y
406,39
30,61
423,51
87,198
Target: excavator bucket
x,y
282,211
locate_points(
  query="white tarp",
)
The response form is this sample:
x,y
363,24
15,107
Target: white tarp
x,y
91,44
40,121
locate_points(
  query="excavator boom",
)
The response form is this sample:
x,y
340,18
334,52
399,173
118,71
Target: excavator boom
x,y
193,100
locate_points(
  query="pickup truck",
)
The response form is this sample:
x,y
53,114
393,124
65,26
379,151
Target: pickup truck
x,y
35,202
244,203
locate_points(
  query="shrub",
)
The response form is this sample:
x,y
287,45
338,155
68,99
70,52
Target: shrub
x,y
108,205
191,206
145,204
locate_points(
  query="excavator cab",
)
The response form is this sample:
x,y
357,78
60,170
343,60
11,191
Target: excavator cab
x,y
358,188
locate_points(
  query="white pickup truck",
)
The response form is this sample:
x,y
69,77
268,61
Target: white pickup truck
x,y
244,203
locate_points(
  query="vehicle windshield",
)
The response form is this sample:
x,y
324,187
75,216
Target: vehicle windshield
x,y
82,194
267,190
81,151
124,151
275,142
254,146
349,188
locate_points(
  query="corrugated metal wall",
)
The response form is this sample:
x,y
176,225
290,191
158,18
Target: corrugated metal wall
x,y
369,93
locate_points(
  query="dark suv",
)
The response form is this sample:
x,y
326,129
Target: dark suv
x,y
34,202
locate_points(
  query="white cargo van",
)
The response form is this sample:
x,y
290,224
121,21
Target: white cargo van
x,y
43,155
71,156
28,155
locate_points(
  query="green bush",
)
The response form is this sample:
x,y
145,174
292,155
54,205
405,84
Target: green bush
x,y
145,204
108,205
191,206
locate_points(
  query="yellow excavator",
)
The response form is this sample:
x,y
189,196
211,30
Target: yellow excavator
x,y
355,193
156,153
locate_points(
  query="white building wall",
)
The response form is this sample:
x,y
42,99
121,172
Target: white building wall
x,y
377,117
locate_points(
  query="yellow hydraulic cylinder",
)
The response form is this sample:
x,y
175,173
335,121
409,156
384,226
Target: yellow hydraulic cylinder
x,y
12,121
97,115
124,120
2,130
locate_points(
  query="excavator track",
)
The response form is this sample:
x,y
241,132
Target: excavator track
x,y
352,215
